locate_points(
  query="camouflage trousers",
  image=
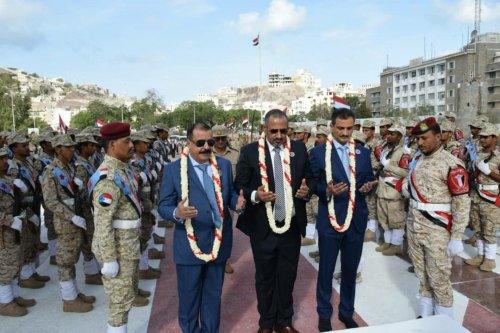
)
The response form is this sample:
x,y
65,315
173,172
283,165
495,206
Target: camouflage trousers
x,y
474,216
488,220
69,245
121,291
146,230
48,218
10,256
428,252
391,213
30,239
312,209
371,202
88,255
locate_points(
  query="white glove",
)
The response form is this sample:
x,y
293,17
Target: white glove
x,y
455,247
383,160
79,183
483,167
35,220
17,224
110,269
79,222
20,185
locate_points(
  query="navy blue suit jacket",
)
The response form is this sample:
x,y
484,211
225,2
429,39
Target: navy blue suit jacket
x,y
170,195
364,174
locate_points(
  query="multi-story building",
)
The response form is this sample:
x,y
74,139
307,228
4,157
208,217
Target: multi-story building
x,y
461,82
278,80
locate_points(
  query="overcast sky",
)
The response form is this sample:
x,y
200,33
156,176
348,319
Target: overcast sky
x,y
185,47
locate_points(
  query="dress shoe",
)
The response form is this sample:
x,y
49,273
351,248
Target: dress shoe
x,y
41,278
285,329
154,254
324,325
228,269
348,322
265,330
157,239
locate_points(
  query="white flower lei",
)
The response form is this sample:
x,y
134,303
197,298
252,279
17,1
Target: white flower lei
x,y
220,205
288,185
352,181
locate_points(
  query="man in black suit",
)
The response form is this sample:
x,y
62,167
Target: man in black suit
x,y
275,251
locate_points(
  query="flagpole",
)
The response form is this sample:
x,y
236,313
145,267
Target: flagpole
x,y
260,80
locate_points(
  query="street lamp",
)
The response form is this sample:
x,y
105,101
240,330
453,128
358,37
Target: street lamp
x,y
12,109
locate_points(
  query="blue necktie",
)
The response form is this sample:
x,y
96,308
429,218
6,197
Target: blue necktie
x,y
210,190
344,157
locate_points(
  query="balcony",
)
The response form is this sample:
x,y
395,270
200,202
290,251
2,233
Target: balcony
x,y
494,97
494,82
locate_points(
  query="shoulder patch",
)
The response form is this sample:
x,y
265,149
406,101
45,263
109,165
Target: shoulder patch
x,y
458,181
105,199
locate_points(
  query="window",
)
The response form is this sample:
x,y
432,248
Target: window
x,y
405,76
492,75
389,79
421,85
421,71
451,65
451,107
405,89
431,96
440,107
432,83
430,70
413,73
441,95
451,79
388,101
396,101
441,68
389,91
451,93
413,98
405,99
413,87
441,82
396,78
421,98
398,89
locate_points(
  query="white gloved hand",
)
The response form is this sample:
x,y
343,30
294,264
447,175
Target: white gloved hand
x,y
383,160
110,269
35,220
17,223
20,185
79,222
483,167
455,247
79,183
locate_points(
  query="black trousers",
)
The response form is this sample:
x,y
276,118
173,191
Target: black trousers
x,y
276,258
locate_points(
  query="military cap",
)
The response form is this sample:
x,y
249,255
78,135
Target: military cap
x,y
4,152
425,125
139,136
161,127
219,131
306,129
292,125
72,131
115,130
478,122
62,140
299,129
16,138
323,130
358,136
385,122
410,123
368,124
321,122
447,126
82,138
450,114
488,129
397,128
148,135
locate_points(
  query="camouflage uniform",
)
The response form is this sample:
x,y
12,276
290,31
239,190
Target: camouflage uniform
x,y
439,211
371,199
116,238
453,146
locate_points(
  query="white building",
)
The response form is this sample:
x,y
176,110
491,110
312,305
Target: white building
x,y
305,79
278,80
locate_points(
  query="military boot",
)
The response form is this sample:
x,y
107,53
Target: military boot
x,y
77,305
369,235
471,240
488,265
383,247
53,260
41,278
25,302
475,261
307,241
12,309
314,254
93,279
140,301
31,283
154,254
392,250
86,299
143,293
148,274
157,239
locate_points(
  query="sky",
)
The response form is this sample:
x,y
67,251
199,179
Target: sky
x,y
182,48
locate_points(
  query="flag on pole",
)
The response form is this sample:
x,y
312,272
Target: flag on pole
x,y
100,123
256,41
339,103
62,126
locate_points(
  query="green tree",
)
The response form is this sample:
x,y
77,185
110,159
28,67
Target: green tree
x,y
99,110
352,101
362,111
321,111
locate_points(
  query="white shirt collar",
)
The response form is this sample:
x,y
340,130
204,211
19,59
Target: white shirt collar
x,y
338,145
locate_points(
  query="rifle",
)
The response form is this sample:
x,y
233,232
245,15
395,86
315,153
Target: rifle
x,y
78,207
18,210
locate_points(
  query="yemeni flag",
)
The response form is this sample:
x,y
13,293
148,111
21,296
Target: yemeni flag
x,y
256,41
62,126
339,103
100,123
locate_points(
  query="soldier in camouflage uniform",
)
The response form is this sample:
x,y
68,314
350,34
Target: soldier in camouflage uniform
x,y
146,196
439,209
61,195
160,145
12,220
44,159
26,178
84,169
448,139
486,199
117,219
390,203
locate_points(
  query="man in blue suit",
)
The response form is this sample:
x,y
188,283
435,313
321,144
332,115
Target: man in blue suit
x,y
199,282
349,242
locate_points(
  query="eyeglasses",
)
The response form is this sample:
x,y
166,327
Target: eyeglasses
x,y
282,131
201,143
220,138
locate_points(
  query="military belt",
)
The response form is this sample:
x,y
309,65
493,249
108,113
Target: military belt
x,y
430,207
126,224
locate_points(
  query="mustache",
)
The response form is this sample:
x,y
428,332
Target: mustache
x,y
206,151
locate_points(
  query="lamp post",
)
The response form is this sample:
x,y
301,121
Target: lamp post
x,y
12,109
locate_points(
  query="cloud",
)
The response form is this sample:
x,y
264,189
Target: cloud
x,y
191,8
282,15
20,23
463,10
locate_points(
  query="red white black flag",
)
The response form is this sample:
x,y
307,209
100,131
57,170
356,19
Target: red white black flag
x,y
62,126
256,41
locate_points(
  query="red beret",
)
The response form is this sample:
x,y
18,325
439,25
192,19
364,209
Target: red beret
x,y
425,125
116,130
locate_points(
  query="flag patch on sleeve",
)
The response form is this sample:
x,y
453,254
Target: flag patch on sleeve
x,y
105,199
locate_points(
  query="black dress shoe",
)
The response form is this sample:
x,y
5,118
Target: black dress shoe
x,y
348,322
324,325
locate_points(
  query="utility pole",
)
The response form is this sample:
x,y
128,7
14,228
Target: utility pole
x,y
12,110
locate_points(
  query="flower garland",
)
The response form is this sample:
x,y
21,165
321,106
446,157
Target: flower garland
x,y
288,185
352,181
220,205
